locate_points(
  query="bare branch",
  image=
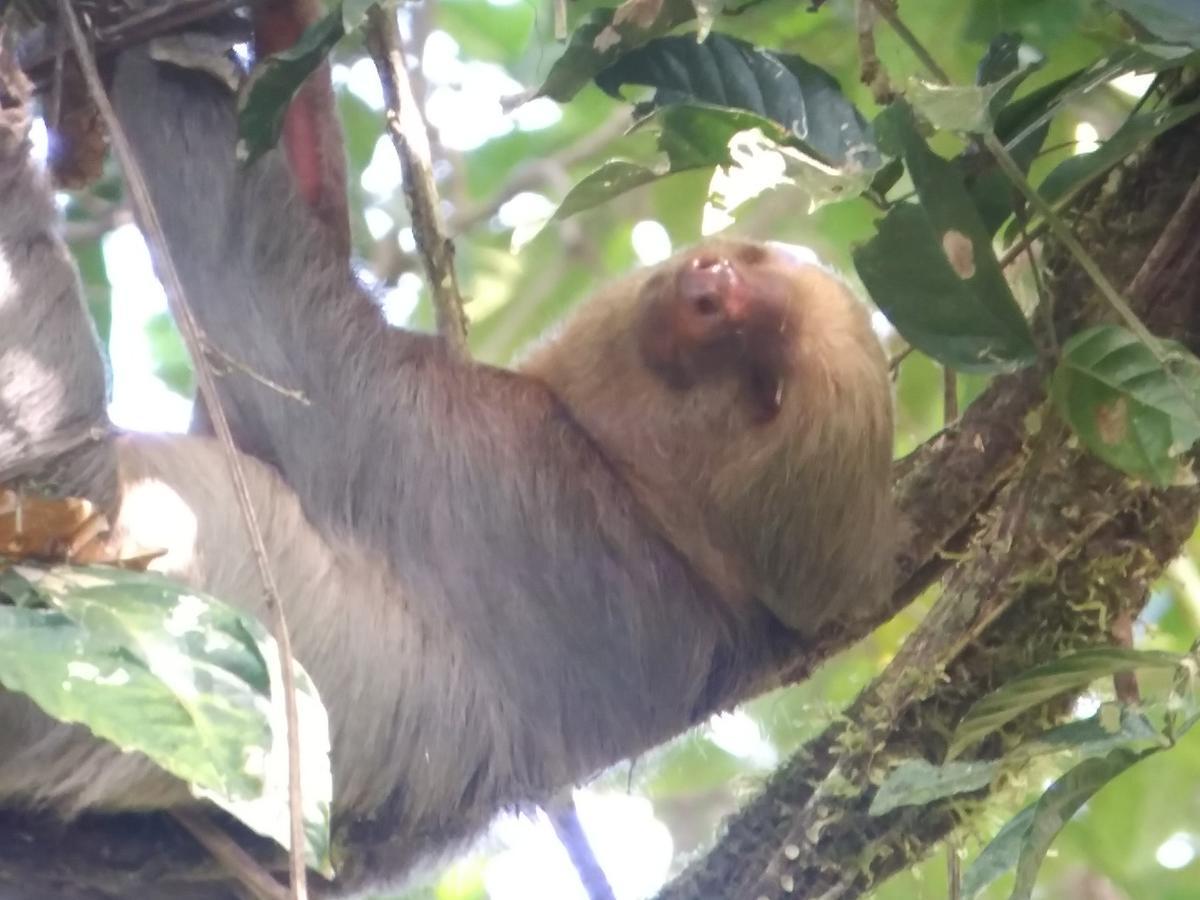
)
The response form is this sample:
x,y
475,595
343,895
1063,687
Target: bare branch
x,y
407,130
870,68
236,861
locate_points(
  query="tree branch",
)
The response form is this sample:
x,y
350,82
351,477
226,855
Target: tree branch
x,y
407,130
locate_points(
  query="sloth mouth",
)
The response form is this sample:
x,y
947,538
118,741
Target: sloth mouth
x,y
767,387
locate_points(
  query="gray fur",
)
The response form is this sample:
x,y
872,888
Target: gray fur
x,y
470,584
50,412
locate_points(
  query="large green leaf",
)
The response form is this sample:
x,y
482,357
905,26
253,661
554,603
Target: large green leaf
x,y
724,71
931,270
158,668
1045,682
1125,406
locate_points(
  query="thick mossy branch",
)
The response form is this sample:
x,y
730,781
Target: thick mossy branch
x,y
1063,547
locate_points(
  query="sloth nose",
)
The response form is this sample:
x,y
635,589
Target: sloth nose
x,y
713,290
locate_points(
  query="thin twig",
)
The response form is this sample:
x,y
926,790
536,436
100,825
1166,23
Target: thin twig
x,y
139,196
894,362
953,871
233,858
1045,301
949,395
407,130
870,68
887,9
1020,246
291,393
564,816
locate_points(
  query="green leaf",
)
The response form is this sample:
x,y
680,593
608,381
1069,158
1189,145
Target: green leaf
x,y
931,269
756,153
1045,682
724,71
613,178
953,107
264,98
1125,407
916,782
598,43
171,360
1076,172
989,187
1008,61
1000,855
1174,21
1096,735
1056,807
158,668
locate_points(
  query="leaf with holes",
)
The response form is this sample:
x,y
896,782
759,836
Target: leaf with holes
x,y
1045,682
931,270
755,154
1007,62
601,40
159,668
724,71
1125,407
